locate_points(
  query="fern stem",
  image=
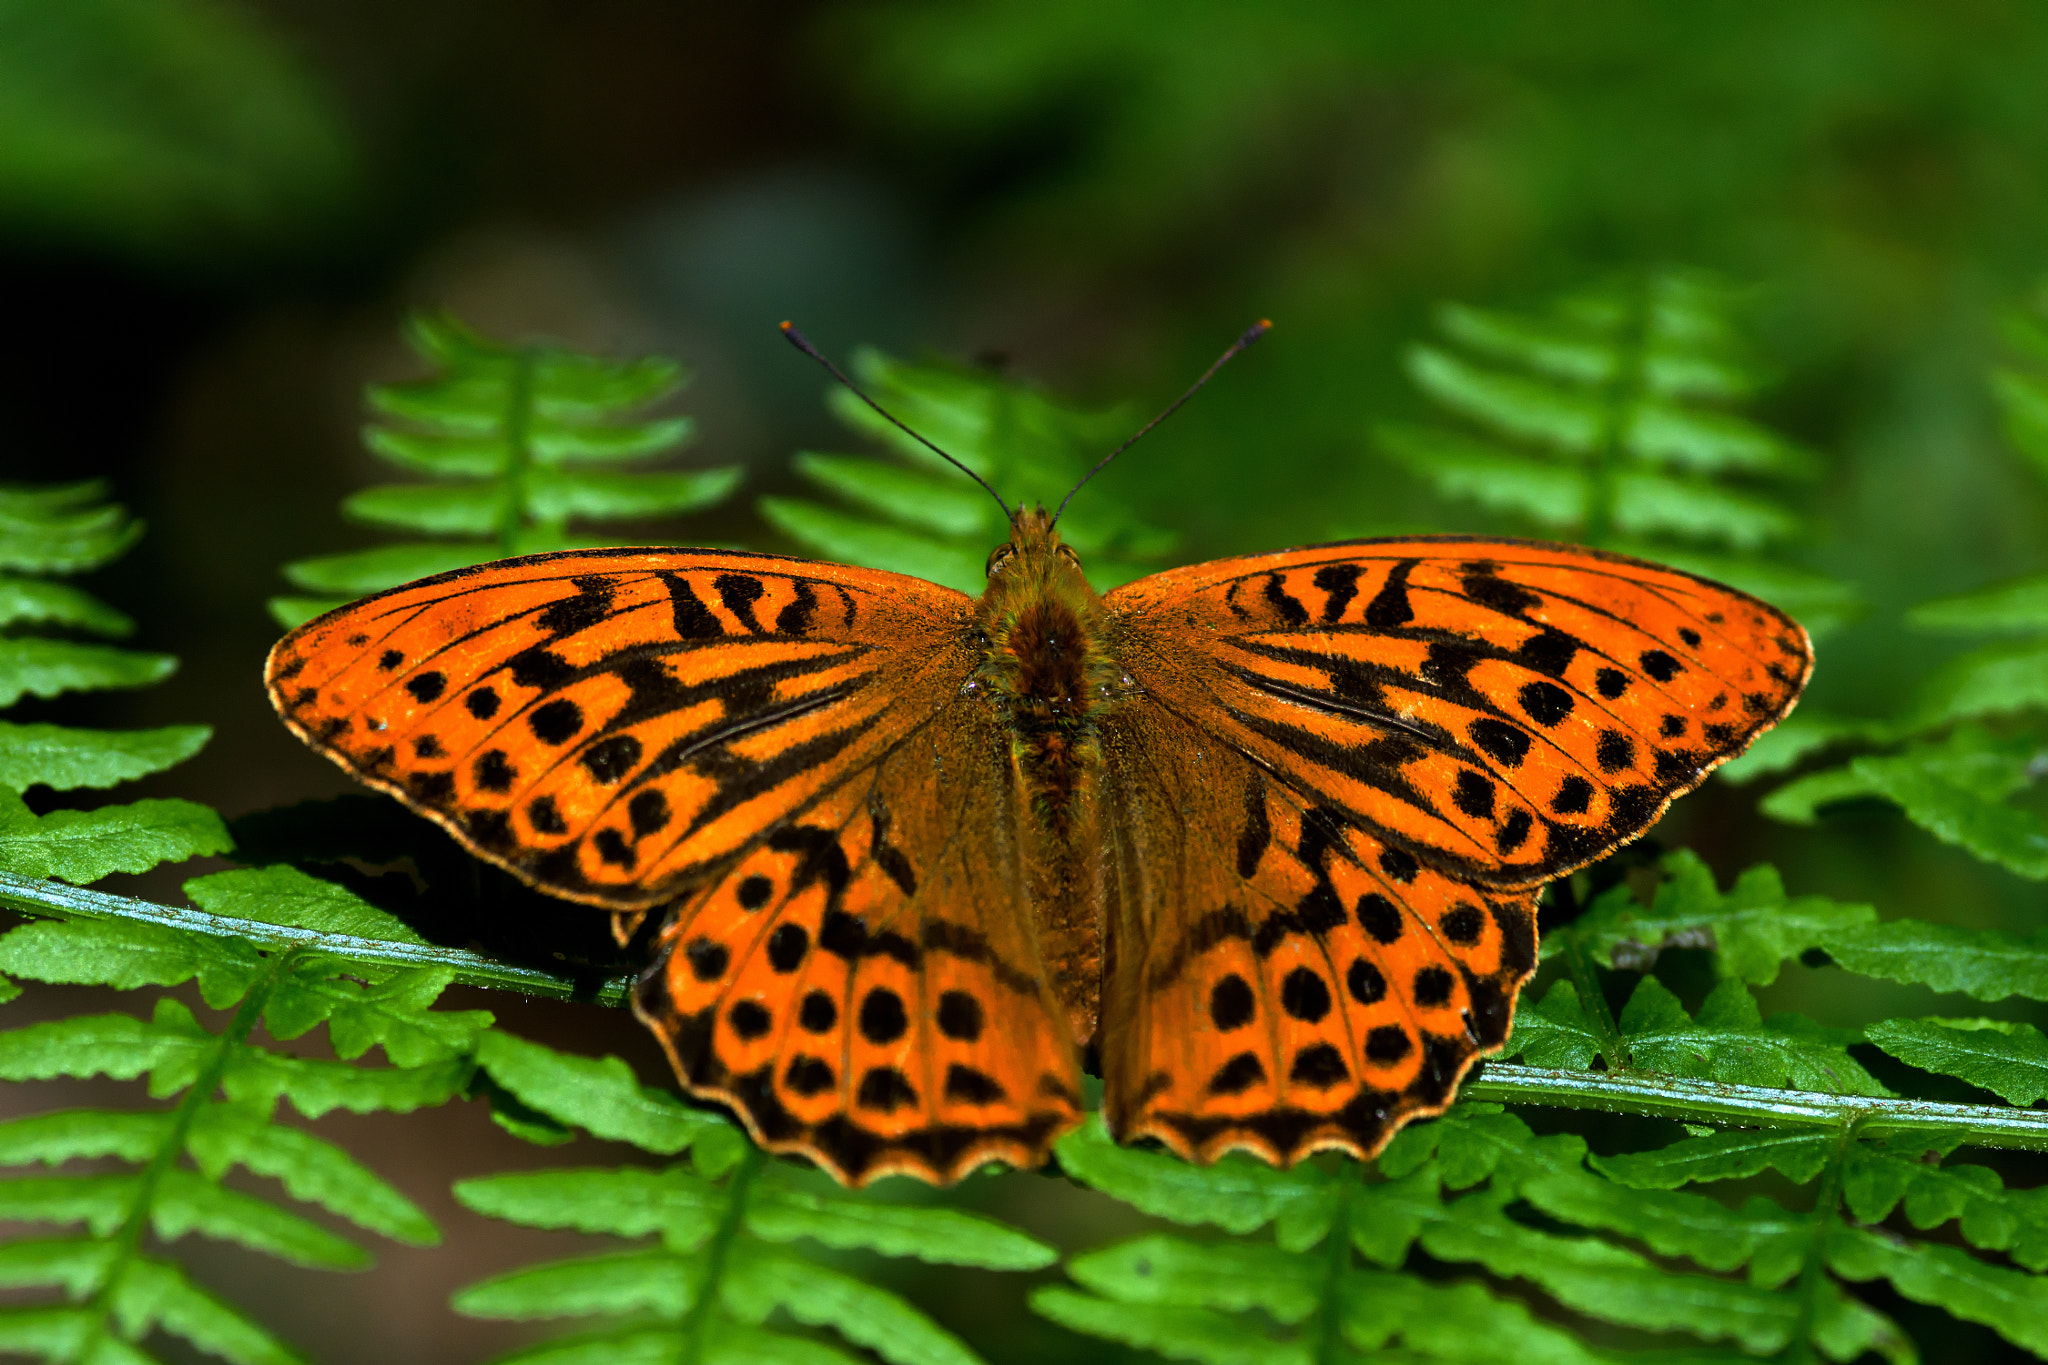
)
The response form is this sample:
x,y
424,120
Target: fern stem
x,y
1330,1348
518,451
1813,1274
716,1253
127,1242
38,897
1620,397
1752,1106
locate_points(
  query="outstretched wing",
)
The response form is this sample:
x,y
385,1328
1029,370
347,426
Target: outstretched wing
x,y
864,987
780,748
615,725
1347,770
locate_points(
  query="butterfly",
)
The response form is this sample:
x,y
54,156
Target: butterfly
x,y
1261,837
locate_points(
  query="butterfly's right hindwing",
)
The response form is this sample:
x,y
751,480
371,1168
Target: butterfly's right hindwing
x,y
864,986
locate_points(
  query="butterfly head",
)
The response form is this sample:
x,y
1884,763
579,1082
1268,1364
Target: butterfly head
x,y
1033,552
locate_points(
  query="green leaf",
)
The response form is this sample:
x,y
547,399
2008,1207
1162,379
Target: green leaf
x,y
757,1284
395,1014
1988,964
1702,441
1654,504
1453,1322
65,758
558,443
34,602
1554,1031
838,536
1730,1042
1181,1333
1507,403
1878,1177
940,1236
618,1282
626,1203
597,1094
1723,1156
62,528
186,1202
1458,466
100,1202
557,495
1994,680
83,846
366,571
316,1087
1954,788
49,668
1556,347
1752,929
156,1294
1791,742
116,1045
437,509
1673,1224
126,955
310,1169
2008,1059
931,502
2021,605
285,895
1607,1282
82,1133
73,1264
2013,1304
1236,1194
1232,1276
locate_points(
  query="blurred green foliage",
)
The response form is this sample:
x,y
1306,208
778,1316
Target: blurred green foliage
x,y
172,131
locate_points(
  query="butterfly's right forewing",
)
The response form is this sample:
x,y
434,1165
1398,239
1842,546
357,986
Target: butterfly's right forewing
x,y
614,726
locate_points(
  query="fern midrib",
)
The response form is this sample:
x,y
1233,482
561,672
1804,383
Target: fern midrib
x,y
1336,1266
1813,1273
1620,398
128,1241
698,1320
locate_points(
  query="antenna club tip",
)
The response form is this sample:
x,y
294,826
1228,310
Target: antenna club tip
x,y
1263,325
786,325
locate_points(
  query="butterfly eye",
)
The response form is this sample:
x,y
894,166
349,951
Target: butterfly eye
x,y
1067,553
1001,555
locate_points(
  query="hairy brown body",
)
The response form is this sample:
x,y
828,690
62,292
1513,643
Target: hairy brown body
x,y
1048,674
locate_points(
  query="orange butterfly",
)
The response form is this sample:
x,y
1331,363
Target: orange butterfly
x,y
1263,834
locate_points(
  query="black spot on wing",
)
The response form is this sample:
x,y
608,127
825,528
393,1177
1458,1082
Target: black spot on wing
x,y
1340,581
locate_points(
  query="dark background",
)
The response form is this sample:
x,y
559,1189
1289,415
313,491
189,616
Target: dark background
x,y
213,217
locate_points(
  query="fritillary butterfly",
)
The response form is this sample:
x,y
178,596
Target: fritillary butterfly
x,y
1264,834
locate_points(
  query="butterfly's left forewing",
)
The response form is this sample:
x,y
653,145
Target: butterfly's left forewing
x,y
1345,773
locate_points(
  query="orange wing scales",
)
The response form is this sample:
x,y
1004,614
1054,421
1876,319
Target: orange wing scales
x,y
1507,711
847,990
1309,798
613,726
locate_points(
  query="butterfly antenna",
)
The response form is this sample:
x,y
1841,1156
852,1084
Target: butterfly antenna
x,y
1251,334
798,340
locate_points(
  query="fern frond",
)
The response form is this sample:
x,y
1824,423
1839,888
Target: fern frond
x,y
916,514
1353,1264
226,1091
726,1223
1608,419
521,441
